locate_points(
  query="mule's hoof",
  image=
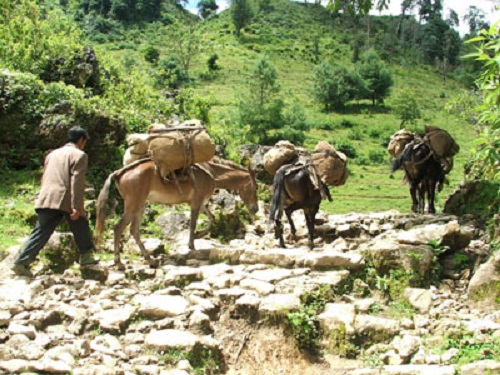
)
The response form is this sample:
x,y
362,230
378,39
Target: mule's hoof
x,y
120,266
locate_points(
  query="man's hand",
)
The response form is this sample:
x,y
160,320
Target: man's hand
x,y
74,215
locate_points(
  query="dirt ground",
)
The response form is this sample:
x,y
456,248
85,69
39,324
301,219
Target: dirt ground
x,y
265,349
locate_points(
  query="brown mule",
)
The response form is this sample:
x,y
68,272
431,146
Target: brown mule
x,y
140,182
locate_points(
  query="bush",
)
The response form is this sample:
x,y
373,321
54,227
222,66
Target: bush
x,y
347,124
346,147
376,156
151,55
212,62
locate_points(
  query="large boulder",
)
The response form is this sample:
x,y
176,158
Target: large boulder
x,y
484,286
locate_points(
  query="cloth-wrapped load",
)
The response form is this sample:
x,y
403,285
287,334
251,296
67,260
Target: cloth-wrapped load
x,y
330,164
282,153
441,142
180,146
398,142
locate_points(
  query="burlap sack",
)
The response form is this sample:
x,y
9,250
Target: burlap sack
x,y
441,142
129,157
138,143
282,153
180,147
398,142
330,164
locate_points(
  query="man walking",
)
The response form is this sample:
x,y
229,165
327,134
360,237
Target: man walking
x,y
61,196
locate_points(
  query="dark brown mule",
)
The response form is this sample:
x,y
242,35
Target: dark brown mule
x,y
423,172
293,191
141,182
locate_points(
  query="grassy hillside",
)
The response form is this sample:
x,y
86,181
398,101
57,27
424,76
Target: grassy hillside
x,y
287,34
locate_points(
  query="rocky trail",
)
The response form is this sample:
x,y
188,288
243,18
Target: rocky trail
x,y
392,294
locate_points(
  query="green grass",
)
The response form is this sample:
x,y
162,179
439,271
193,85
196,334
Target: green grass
x,y
16,206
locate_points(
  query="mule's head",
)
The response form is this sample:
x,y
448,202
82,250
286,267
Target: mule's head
x,y
248,193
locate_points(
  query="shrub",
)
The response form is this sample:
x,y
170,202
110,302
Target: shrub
x,y
376,156
347,124
151,55
346,147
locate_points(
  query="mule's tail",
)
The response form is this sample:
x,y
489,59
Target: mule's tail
x,y
278,195
101,208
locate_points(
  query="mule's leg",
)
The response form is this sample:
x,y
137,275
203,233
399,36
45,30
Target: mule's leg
x,y
413,193
195,211
310,215
125,220
293,230
278,231
310,227
204,209
431,194
136,233
422,188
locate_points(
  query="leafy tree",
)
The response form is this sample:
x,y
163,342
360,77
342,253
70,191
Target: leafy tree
x,y
440,41
453,19
361,7
260,107
207,7
186,44
475,18
376,76
241,14
406,108
152,55
334,86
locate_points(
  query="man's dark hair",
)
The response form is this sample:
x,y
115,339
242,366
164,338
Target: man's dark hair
x,y
76,132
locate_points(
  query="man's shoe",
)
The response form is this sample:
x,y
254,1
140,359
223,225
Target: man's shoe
x,y
21,270
87,259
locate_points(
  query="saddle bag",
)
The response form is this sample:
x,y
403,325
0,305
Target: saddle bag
x,y
441,142
181,146
282,153
330,164
398,142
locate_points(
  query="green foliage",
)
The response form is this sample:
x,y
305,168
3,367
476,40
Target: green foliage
x,y
119,10
241,14
207,8
205,360
406,109
334,86
171,74
361,7
16,210
377,78
303,323
212,62
262,110
151,55
436,249
30,38
186,44
60,258
346,147
440,42
228,226
473,349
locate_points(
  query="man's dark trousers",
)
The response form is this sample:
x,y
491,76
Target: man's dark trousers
x,y
45,226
